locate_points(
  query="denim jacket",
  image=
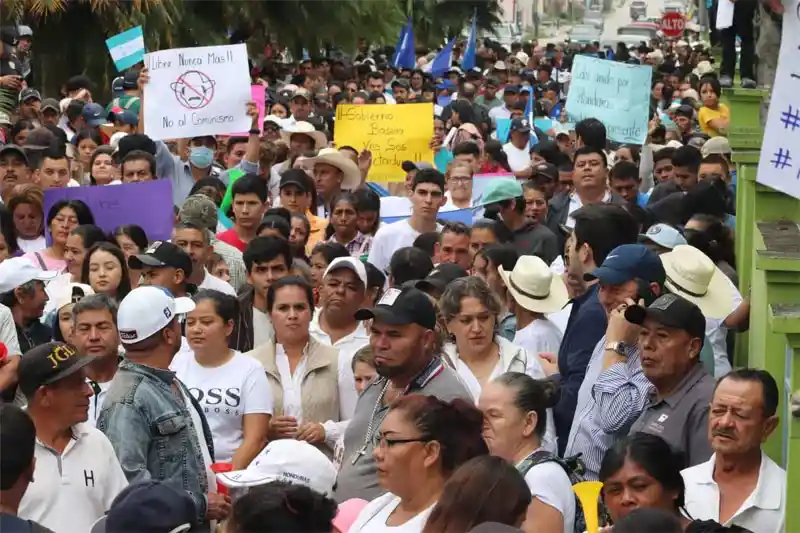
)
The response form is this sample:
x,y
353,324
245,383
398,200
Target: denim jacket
x,y
151,431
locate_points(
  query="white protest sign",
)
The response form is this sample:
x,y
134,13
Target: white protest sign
x,y
779,165
197,91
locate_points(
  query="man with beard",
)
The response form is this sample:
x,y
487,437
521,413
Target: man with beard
x,y
344,285
402,337
14,168
155,425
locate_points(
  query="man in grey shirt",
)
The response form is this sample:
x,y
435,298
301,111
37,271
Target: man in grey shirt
x,y
673,331
402,338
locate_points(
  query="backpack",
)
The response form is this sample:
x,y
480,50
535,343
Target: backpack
x,y
574,468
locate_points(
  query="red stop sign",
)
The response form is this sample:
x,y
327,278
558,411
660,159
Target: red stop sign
x,y
672,24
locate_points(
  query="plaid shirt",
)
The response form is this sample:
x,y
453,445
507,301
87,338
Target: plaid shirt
x,y
232,258
359,246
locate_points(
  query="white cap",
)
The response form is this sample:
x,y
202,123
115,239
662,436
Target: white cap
x,y
663,235
500,65
146,311
18,271
292,461
350,263
71,293
116,138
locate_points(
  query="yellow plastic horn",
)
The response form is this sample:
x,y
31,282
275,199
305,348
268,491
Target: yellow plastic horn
x,y
588,493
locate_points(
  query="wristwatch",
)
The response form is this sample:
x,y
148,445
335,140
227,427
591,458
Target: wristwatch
x,y
618,347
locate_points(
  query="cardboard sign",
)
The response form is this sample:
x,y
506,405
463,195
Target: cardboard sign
x,y
146,204
197,91
393,133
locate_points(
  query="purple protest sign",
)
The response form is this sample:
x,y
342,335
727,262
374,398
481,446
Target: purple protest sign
x,y
146,204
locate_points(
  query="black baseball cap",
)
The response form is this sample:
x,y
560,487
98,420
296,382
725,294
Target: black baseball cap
x,y
520,125
48,363
672,311
548,170
441,276
147,507
402,307
162,254
29,94
14,149
297,177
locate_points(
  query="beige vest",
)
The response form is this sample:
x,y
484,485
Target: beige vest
x,y
319,390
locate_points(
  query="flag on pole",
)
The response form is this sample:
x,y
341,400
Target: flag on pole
x,y
126,48
405,55
529,116
443,61
468,61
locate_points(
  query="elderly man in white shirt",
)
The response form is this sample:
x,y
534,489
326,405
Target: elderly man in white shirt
x,y
740,485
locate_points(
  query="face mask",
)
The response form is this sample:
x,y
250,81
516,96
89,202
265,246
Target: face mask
x,y
201,157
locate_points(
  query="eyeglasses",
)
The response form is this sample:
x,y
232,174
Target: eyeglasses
x,y
462,180
385,443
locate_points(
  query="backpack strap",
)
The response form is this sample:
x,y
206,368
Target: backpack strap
x,y
40,260
536,458
132,101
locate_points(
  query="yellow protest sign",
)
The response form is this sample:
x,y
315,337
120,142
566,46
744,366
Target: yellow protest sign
x,y
393,133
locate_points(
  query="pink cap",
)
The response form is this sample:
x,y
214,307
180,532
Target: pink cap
x,y
348,512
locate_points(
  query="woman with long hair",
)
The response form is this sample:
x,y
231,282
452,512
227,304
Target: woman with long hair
x,y
102,169
343,225
312,400
25,202
420,444
86,142
514,407
369,210
485,265
484,489
298,236
479,354
495,160
239,430
132,240
79,241
63,217
105,270
8,235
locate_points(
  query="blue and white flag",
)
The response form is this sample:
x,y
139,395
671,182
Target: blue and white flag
x,y
126,48
443,61
405,55
468,61
529,115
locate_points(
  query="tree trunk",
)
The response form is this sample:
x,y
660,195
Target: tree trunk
x,y
768,48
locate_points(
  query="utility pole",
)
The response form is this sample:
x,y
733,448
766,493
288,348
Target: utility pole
x,y
536,19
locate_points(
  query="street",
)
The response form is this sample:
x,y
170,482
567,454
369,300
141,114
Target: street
x,y
613,21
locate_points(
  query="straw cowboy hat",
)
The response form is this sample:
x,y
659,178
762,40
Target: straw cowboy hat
x,y
534,287
692,275
320,141
334,158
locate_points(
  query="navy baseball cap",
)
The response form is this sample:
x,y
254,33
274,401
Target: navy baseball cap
x,y
94,114
628,262
148,507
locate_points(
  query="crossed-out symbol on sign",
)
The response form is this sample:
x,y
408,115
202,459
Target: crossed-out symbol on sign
x,y
193,89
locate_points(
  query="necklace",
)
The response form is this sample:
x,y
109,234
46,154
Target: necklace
x,y
371,426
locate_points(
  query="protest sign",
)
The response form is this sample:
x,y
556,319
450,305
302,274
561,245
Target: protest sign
x,y
233,175
126,48
197,91
257,94
779,164
617,94
393,133
502,128
147,204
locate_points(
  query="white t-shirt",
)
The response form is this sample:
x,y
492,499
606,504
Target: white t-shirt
x,y
539,336
389,239
551,485
32,245
226,393
73,489
373,517
263,331
213,282
517,159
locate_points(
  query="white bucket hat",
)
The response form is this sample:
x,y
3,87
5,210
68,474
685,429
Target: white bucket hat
x,y
692,275
306,128
534,287
334,158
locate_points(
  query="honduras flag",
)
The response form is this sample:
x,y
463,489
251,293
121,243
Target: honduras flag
x,y
443,61
468,61
126,48
529,116
404,55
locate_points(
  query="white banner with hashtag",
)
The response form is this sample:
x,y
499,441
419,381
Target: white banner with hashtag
x,y
779,166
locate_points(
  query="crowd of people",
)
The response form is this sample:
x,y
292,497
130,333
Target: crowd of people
x,y
288,361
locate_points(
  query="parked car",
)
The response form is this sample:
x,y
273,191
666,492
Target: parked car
x,y
594,18
674,6
638,9
584,34
644,31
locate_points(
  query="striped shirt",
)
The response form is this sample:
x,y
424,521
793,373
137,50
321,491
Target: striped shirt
x,y
609,402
